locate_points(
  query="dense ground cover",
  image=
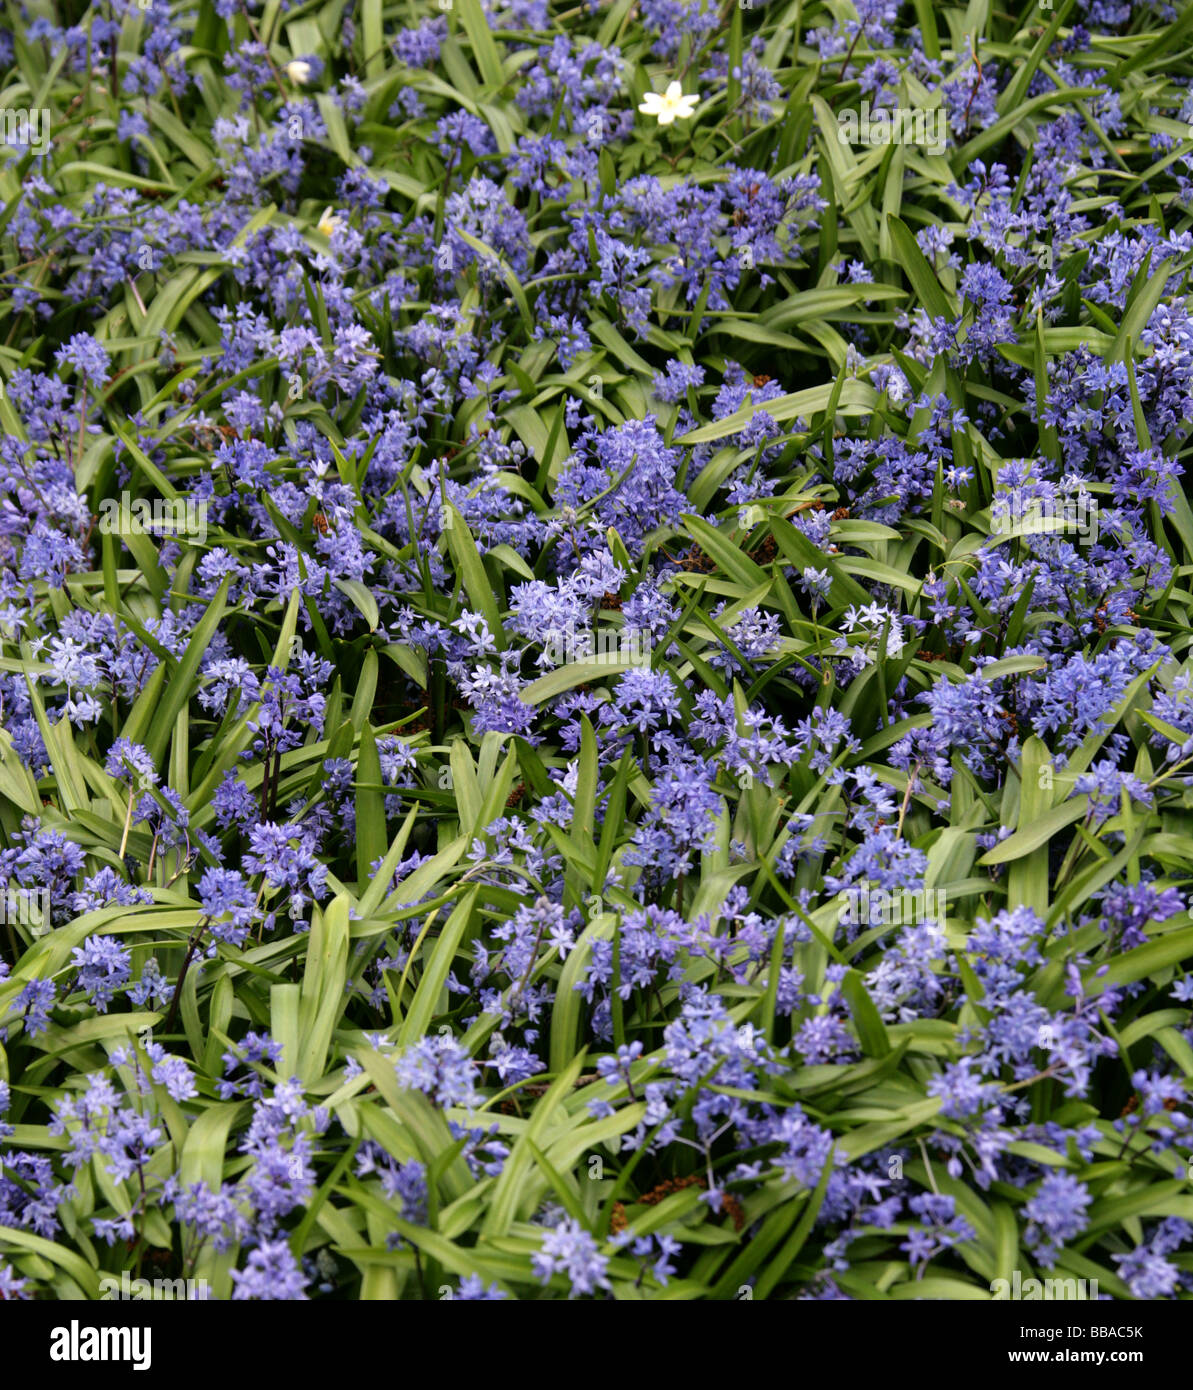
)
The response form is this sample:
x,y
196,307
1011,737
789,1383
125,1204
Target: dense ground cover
x,y
595,686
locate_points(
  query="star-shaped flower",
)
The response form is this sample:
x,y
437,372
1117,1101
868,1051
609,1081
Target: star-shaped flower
x,y
672,105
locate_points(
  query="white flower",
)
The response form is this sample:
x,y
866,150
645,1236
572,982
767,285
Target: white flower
x,y
299,71
671,106
329,223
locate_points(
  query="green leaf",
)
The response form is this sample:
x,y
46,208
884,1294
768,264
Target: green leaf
x,y
437,967
371,834
476,582
1038,833
509,1192
181,684
84,1276
866,1018
484,49
575,673
928,288
727,555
